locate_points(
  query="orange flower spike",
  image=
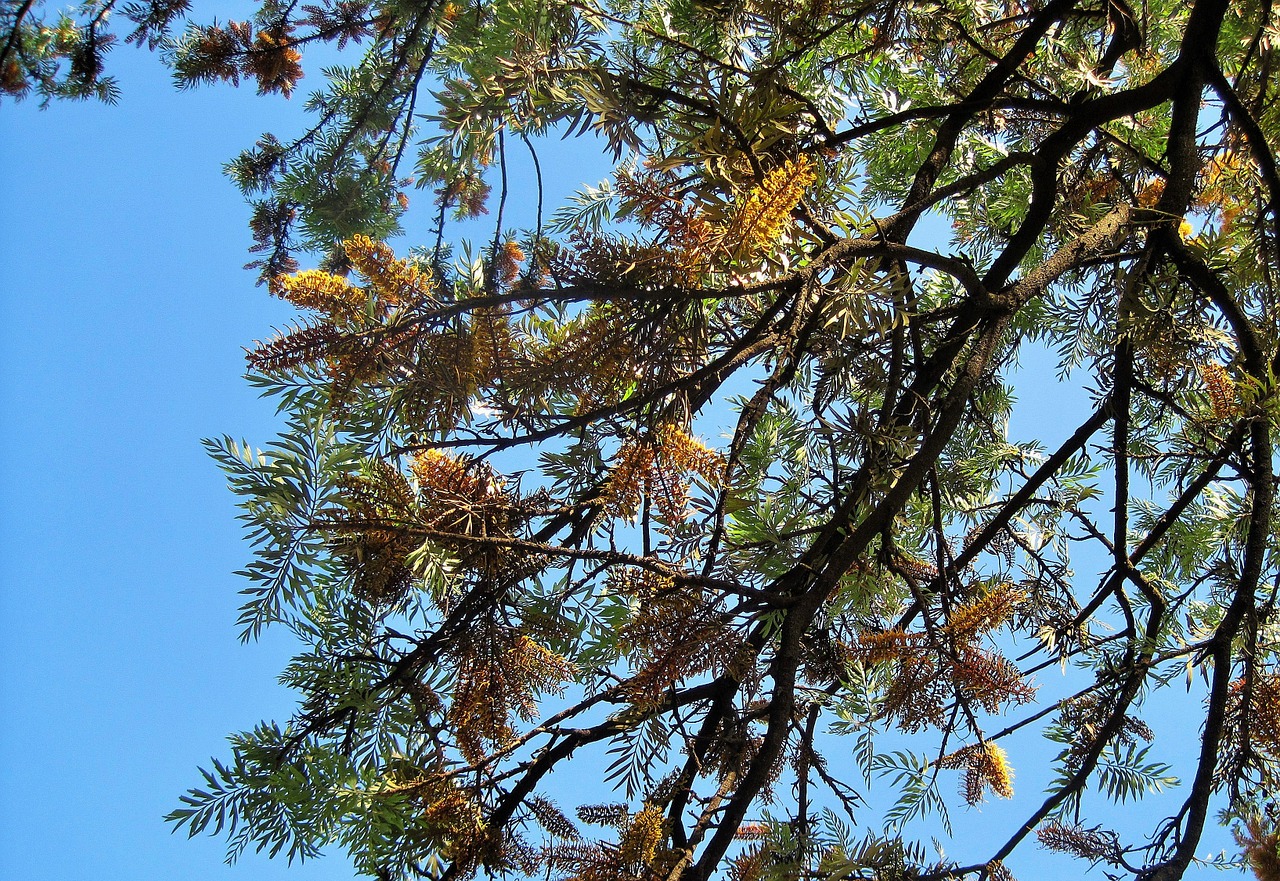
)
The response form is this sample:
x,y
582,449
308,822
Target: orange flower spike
x,y
989,612
306,345
509,258
492,345
543,669
751,831
767,207
448,477
1151,192
875,648
1259,842
643,835
1222,391
274,63
751,864
435,470
450,13
655,468
986,766
686,453
629,479
332,295
1263,711
999,773
1088,844
396,282
1218,177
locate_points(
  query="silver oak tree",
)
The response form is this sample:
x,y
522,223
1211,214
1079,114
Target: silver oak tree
x,y
707,478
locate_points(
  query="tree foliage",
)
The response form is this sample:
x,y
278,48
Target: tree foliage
x,y
708,478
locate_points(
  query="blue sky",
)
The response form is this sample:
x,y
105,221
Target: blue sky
x,y
123,314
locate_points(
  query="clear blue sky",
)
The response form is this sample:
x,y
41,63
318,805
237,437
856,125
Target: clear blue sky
x,y
123,314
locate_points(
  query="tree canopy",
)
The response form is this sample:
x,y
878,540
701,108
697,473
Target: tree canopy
x,y
705,484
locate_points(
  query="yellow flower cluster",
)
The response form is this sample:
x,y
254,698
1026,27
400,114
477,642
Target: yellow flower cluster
x,y
642,837
437,470
1222,391
1220,175
685,452
629,479
469,501
631,581
499,672
397,282
760,219
917,568
996,770
1259,842
332,295
458,498
692,242
591,356
1150,192
986,766
449,817
340,340
491,344
657,468
990,611
888,645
